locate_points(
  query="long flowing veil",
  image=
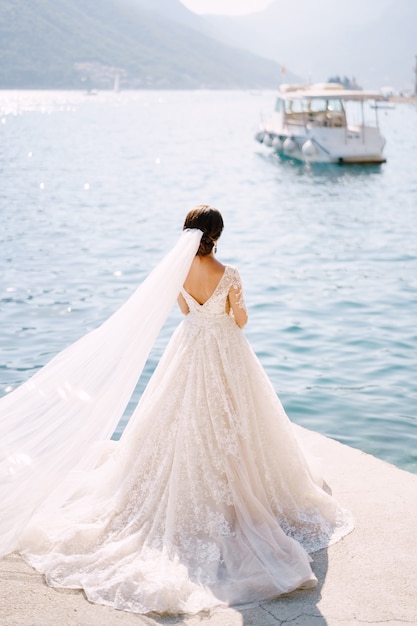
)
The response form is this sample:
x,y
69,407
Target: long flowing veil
x,y
49,423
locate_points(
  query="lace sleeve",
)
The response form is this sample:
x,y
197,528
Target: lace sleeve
x,y
237,302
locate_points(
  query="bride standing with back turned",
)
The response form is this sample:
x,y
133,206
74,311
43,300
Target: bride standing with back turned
x,y
207,499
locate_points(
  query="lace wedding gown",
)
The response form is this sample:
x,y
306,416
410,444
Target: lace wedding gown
x,y
206,499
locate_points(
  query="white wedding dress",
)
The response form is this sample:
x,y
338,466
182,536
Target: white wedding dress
x,y
206,500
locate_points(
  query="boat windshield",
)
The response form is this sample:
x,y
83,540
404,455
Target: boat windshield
x,y
317,105
278,105
327,112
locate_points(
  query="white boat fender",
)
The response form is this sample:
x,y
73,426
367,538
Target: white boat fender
x,y
289,146
277,143
267,140
309,149
260,136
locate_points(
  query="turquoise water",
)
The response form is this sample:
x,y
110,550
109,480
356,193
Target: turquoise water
x,y
94,190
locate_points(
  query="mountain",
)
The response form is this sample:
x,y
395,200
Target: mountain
x,y
173,10
161,44
371,40
212,27
86,43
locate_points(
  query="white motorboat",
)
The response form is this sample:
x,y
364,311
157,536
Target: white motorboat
x,y
324,123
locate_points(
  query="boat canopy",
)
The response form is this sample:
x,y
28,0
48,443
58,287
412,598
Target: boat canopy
x,y
326,91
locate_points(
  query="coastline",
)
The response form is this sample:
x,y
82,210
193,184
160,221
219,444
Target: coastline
x,y
403,99
368,577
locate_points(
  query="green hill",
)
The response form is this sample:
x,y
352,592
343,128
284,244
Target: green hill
x,y
85,43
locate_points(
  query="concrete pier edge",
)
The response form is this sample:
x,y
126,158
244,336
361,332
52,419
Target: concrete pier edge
x,y
367,578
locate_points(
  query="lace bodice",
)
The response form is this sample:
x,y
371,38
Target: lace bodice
x,y
216,305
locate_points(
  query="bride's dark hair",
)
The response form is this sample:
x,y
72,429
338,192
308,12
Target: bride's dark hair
x,y
210,221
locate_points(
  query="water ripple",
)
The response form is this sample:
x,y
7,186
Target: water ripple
x,y
94,190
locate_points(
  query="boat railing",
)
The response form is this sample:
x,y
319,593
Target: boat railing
x,y
328,119
295,119
316,119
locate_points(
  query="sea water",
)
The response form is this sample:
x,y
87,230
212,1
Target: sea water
x,y
94,190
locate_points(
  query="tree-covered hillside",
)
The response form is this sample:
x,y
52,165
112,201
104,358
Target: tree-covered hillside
x,y
85,43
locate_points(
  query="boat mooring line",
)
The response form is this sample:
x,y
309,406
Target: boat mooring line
x,y
320,146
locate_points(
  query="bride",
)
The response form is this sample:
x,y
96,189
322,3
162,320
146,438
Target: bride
x,y
207,499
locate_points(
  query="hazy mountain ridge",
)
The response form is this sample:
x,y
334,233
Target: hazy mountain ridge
x,y
161,44
372,40
82,43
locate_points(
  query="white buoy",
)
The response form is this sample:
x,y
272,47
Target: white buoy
x,y
289,146
309,149
277,143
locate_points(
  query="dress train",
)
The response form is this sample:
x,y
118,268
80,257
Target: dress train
x,y
206,500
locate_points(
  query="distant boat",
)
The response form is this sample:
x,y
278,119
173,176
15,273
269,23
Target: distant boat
x,y
310,123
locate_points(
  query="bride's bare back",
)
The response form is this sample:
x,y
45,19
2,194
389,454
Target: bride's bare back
x,y
203,277
202,280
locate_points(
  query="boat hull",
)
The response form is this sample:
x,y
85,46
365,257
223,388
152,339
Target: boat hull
x,y
356,145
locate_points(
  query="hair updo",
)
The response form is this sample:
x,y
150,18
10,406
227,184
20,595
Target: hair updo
x,y
208,220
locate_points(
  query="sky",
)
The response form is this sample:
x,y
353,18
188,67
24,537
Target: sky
x,y
226,7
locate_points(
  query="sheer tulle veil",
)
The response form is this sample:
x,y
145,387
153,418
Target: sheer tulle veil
x,y
50,423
